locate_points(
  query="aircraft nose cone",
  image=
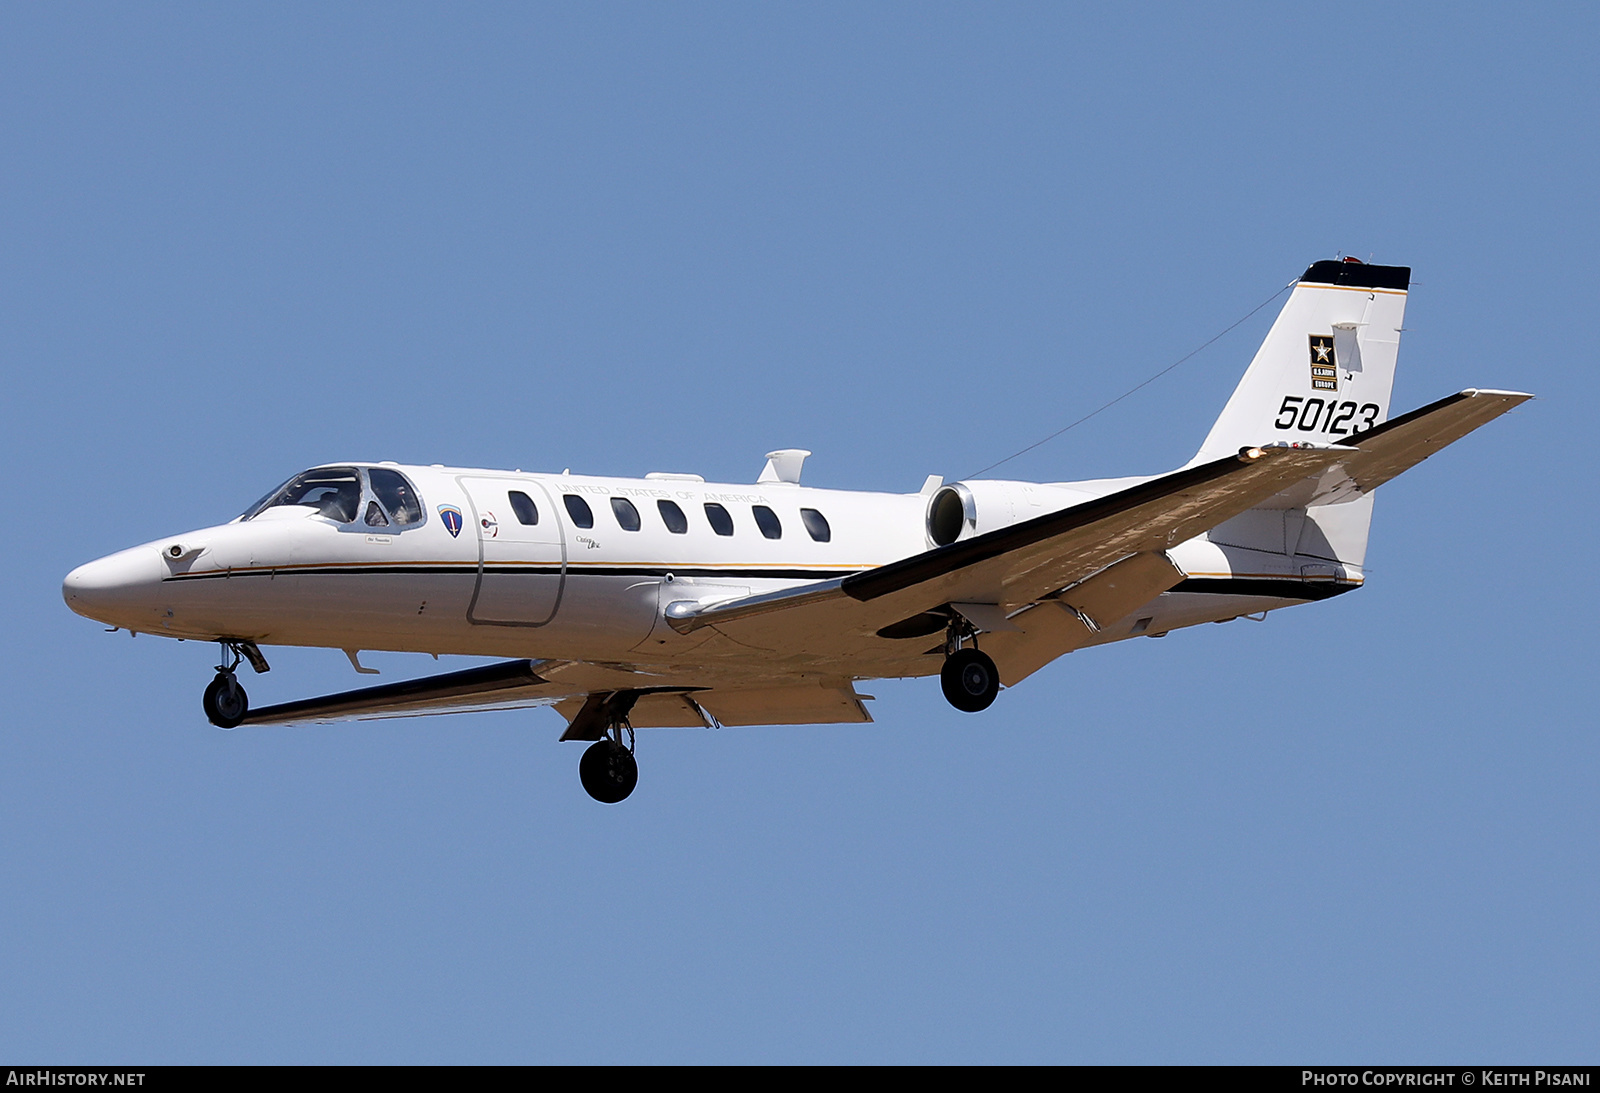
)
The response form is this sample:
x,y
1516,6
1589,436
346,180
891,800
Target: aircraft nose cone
x,y
111,588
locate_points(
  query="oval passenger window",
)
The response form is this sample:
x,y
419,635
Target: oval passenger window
x,y
767,521
627,516
578,509
521,504
816,525
719,518
672,516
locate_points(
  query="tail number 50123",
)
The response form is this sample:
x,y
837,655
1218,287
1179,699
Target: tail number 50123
x,y
1314,415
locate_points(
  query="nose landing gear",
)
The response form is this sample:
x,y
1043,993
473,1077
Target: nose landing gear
x,y
224,700
608,770
969,678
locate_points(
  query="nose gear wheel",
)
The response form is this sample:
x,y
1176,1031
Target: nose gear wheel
x,y
224,700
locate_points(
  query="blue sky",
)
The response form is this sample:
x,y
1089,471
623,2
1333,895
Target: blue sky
x,y
240,241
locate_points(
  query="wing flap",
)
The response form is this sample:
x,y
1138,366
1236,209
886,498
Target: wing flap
x,y
804,704
791,704
588,716
1079,615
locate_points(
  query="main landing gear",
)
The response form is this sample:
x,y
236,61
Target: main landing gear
x,y
969,678
225,701
608,770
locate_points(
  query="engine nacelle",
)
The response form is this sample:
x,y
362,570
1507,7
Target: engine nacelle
x,y
964,509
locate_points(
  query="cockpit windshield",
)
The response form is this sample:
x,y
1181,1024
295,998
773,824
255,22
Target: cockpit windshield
x,y
341,493
334,492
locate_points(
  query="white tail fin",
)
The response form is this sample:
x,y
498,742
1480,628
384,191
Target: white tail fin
x,y
1327,364
1323,374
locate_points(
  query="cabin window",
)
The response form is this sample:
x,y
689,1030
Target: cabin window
x,y
767,521
375,517
816,525
627,516
672,516
578,509
719,518
521,504
396,494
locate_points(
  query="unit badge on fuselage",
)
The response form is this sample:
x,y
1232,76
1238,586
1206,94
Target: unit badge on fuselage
x,y
452,519
1324,368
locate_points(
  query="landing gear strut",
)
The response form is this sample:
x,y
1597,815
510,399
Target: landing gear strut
x,y
608,770
224,700
969,678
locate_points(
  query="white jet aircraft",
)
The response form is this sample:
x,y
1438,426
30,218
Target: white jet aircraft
x,y
671,601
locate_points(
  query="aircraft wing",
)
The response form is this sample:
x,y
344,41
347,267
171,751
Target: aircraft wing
x,y
510,684
1019,564
589,696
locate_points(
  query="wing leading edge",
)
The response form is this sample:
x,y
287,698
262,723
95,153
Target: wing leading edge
x,y
510,684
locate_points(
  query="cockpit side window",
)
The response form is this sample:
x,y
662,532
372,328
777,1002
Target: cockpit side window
x,y
375,517
335,492
395,491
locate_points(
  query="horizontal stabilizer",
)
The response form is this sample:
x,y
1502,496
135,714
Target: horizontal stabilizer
x,y
1379,454
1400,444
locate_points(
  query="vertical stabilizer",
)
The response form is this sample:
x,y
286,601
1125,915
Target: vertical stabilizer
x,y
1326,366
1323,374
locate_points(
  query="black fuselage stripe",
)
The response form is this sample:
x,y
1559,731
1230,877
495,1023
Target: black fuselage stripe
x,y
1289,588
471,570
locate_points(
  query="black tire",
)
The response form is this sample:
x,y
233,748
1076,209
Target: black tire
x,y
608,772
970,680
225,702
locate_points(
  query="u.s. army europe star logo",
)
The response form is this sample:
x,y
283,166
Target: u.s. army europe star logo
x,y
1324,369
